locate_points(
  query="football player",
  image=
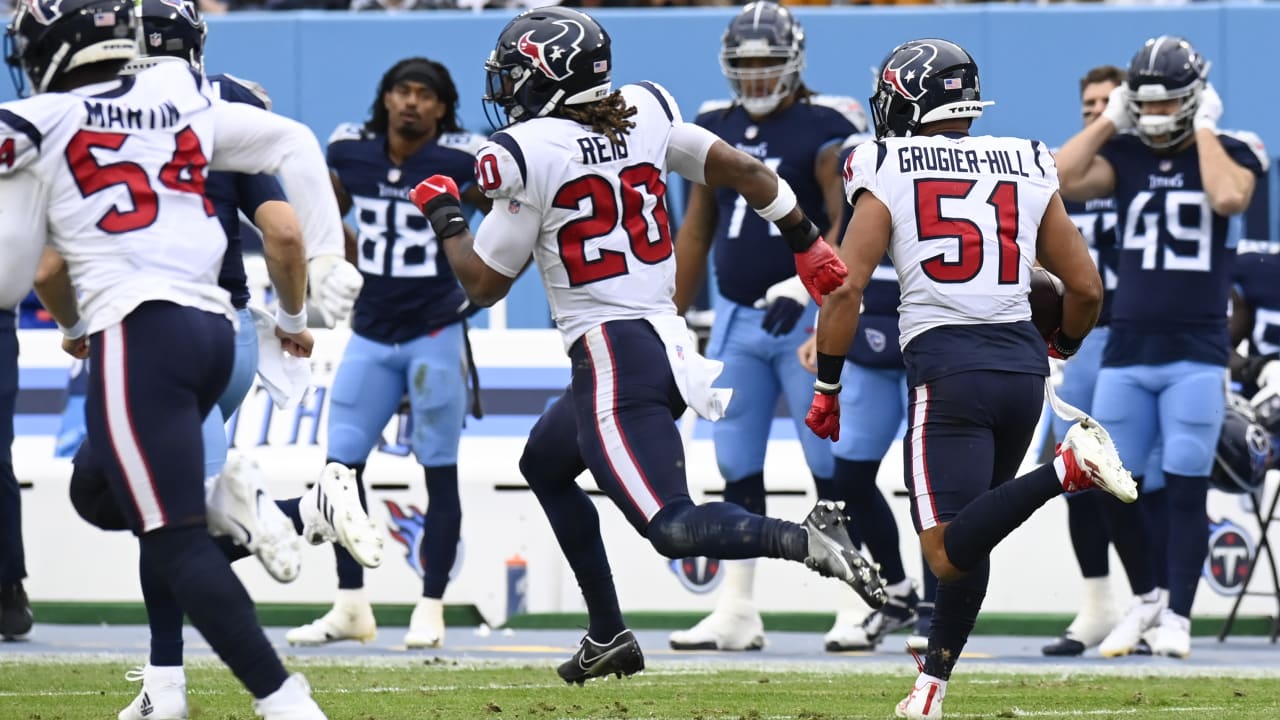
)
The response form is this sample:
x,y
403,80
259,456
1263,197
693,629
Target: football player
x,y
144,255
582,168
407,331
1255,319
15,608
1177,180
762,311
964,218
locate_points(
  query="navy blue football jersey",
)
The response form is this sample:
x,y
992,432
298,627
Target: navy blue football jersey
x,y
1176,257
749,254
231,193
409,289
1096,220
1257,279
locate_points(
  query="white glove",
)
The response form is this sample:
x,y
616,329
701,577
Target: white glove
x,y
1269,376
334,284
1208,110
1117,110
792,288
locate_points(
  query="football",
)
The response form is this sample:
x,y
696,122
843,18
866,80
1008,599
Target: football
x,y
1046,301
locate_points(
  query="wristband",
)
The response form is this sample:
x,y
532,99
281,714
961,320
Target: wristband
x,y
1065,345
76,331
782,204
291,324
447,220
826,388
801,236
829,369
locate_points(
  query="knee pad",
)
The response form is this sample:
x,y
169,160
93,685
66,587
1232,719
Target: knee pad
x,y
668,532
1190,454
91,496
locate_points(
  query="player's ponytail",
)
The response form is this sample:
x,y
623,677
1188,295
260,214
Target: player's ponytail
x,y
608,117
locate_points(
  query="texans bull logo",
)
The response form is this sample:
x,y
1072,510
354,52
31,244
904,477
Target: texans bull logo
x,y
908,76
185,8
44,13
553,56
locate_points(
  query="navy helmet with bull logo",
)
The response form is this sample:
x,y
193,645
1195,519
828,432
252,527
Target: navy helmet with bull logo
x,y
547,58
924,81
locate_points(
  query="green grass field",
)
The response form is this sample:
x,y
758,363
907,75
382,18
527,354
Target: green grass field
x,y
445,691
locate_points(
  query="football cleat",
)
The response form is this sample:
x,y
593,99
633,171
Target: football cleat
x,y
426,625
1091,461
163,695
924,702
238,506
343,622
1085,631
1143,616
832,554
733,625
15,611
291,702
619,657
1172,635
898,612
331,512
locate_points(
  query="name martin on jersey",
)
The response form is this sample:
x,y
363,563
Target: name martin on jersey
x,y
112,116
943,159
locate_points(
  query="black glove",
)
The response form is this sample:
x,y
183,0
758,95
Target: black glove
x,y
782,315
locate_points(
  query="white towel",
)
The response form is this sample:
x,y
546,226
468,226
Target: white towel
x,y
693,372
285,377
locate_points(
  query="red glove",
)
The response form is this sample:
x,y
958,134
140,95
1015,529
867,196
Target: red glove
x,y
820,269
823,417
1061,347
438,199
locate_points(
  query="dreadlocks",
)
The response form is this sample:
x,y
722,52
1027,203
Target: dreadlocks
x,y
607,117
429,73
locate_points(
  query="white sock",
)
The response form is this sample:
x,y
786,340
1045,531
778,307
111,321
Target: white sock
x,y
164,675
739,581
1150,597
351,598
1097,596
901,588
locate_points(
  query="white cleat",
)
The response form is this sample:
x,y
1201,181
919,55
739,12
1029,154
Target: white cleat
x,y
733,625
1143,616
1092,462
331,512
343,622
239,506
291,702
1172,635
163,695
426,625
924,701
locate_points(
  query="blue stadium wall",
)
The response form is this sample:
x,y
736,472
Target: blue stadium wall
x,y
322,68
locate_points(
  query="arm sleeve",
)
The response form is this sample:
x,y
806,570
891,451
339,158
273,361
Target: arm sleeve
x,y
19,142
687,151
251,140
506,238
23,201
1246,149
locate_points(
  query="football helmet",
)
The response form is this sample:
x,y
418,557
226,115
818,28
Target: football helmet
x,y
48,38
1166,68
923,81
172,28
1244,450
767,31
547,58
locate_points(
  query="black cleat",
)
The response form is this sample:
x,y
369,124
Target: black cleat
x,y
620,656
1064,646
15,611
831,553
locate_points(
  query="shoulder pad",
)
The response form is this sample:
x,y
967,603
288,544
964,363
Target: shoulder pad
x,y
465,142
855,140
848,107
1253,142
236,89
654,93
714,105
21,133
347,131
859,171
500,168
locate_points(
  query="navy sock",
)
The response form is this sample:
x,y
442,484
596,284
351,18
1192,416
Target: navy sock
x,y
954,613
997,512
870,512
231,550
929,580
1127,526
443,523
290,507
164,616
576,525
1189,546
350,572
747,492
1088,534
725,531
1155,509
211,595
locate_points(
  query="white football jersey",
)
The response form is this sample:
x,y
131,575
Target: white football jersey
x,y
966,212
121,168
604,244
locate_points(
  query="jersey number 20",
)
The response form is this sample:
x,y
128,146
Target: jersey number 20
x,y
606,214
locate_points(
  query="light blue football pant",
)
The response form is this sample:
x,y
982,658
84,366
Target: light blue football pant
x,y
873,406
1181,402
214,429
1079,381
374,376
760,367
